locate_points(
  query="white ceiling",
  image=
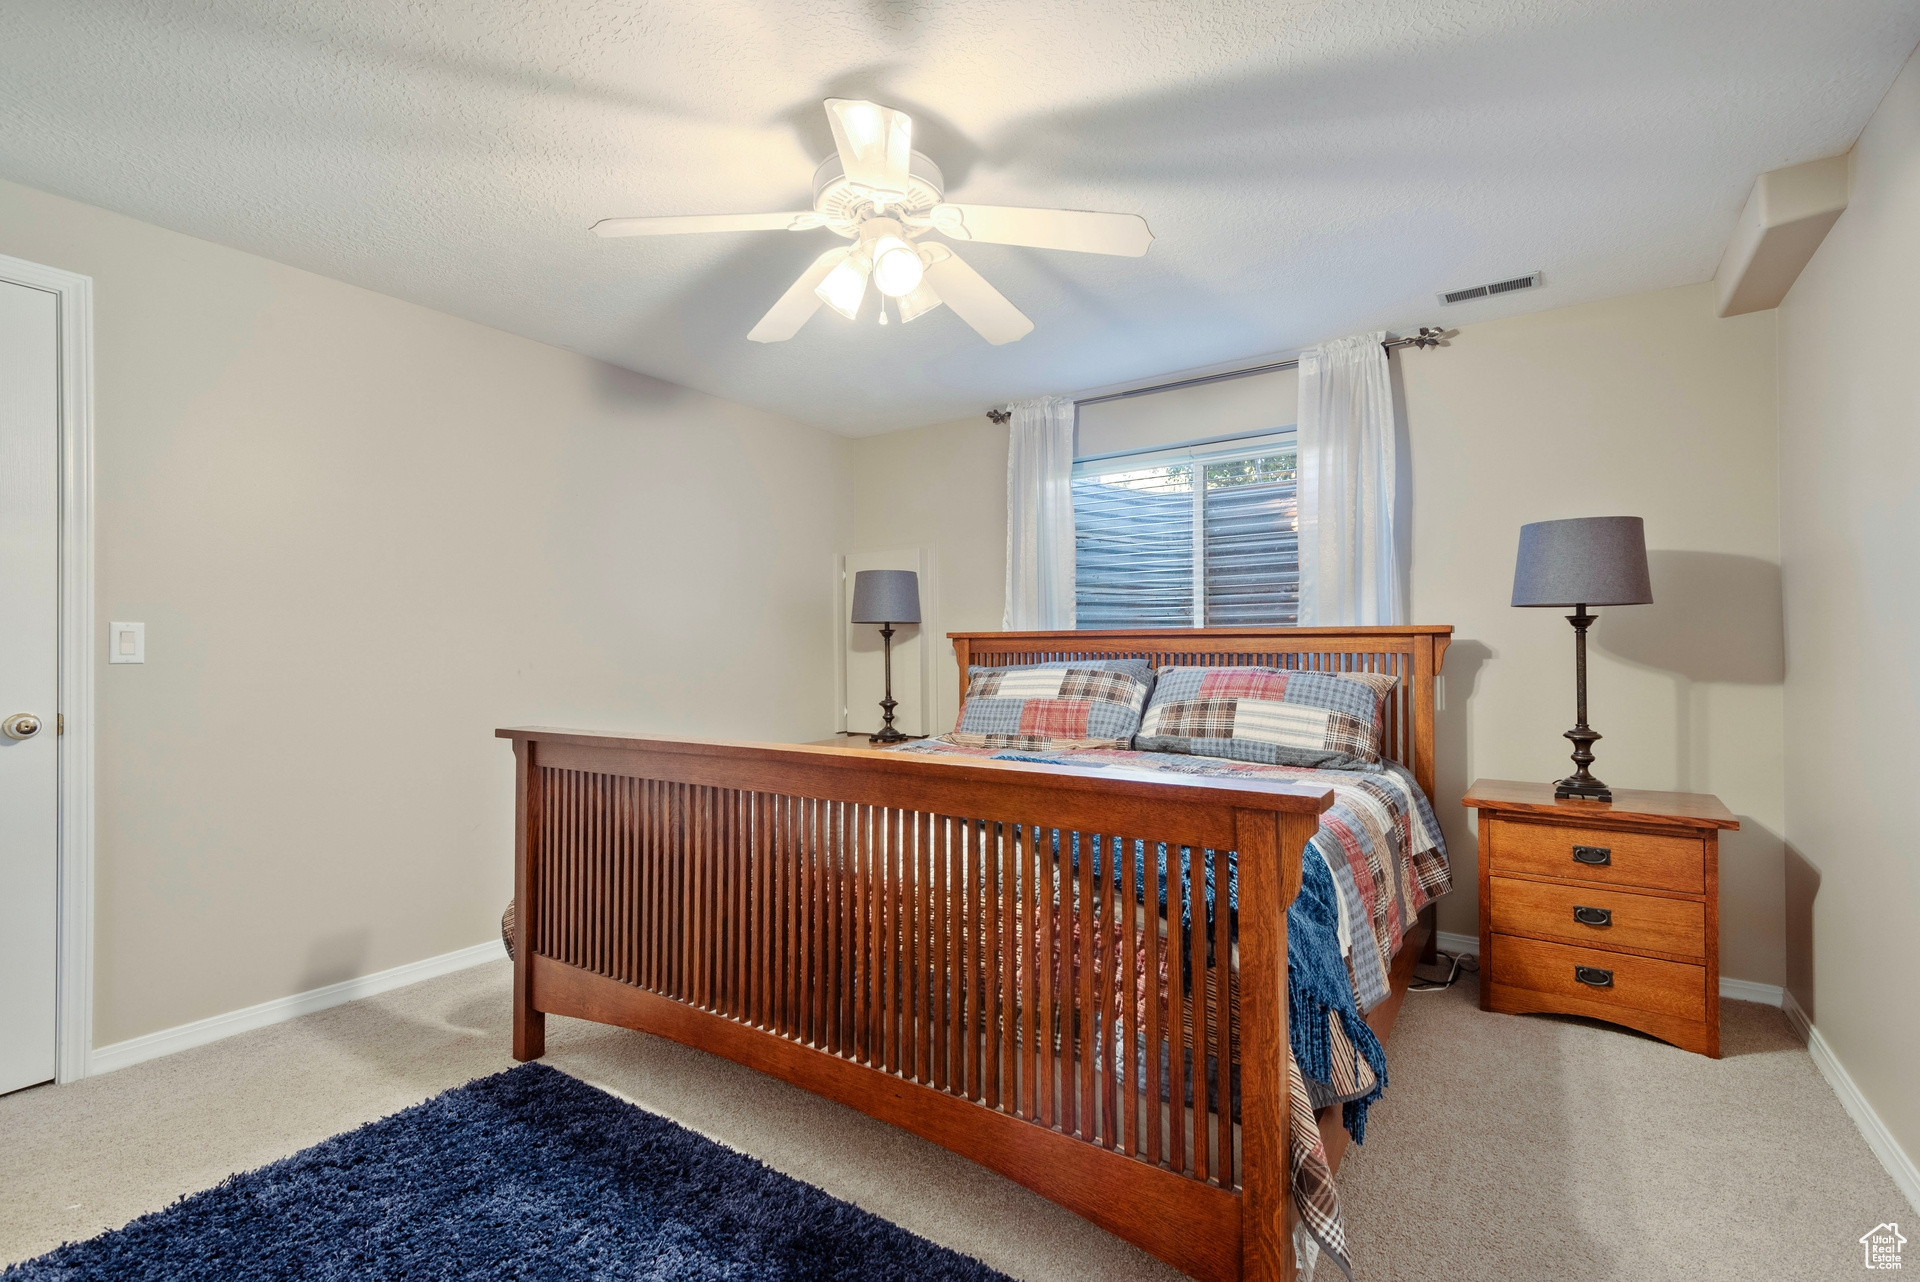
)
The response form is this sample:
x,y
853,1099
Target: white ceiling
x,y
1310,168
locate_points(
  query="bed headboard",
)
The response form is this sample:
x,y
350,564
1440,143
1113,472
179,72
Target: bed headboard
x,y
1413,653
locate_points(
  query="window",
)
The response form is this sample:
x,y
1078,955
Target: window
x,y
1196,536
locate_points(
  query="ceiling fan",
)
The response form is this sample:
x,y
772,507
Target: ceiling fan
x,y
884,196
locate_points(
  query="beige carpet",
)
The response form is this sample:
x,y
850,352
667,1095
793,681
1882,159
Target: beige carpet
x,y
1508,1147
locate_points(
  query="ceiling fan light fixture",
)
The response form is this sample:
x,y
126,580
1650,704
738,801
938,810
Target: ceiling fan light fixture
x,y
918,303
897,269
845,287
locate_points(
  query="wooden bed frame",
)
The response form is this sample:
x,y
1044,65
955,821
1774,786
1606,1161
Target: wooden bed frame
x,y
936,941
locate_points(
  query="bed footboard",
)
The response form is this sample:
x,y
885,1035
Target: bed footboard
x,y
974,951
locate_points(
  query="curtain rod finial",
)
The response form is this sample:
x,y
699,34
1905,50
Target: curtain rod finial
x,y
1429,336
1000,417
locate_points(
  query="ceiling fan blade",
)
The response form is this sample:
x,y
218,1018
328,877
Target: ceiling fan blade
x,y
705,222
974,301
874,143
797,306
1075,229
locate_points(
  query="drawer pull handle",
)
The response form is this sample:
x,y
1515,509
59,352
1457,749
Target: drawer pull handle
x,y
1593,916
1598,856
1593,976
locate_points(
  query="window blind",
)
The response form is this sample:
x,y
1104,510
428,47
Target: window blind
x,y
1133,548
1144,523
1252,544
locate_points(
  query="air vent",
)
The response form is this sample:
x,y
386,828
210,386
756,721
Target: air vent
x,y
1530,281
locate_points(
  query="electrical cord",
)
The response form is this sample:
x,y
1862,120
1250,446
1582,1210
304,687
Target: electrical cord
x,y
1460,962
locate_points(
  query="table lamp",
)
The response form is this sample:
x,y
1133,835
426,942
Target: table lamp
x,y
1590,560
886,597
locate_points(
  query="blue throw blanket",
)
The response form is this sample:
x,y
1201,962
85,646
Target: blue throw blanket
x,y
1317,985
1317,979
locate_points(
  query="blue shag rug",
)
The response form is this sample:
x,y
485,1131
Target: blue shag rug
x,y
527,1174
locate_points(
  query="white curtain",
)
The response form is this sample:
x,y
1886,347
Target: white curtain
x,y
1040,516
1349,564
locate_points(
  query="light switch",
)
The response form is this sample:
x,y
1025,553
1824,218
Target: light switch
x,y
126,643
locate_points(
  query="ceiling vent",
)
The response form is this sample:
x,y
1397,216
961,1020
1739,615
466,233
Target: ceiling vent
x,y
1529,281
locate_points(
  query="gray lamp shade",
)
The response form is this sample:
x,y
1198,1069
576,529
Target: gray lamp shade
x,y
886,596
1590,560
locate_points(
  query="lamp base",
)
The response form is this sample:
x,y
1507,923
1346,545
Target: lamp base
x,y
1581,785
888,735
1588,789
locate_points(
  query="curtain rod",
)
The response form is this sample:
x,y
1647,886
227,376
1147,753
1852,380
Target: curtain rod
x,y
1427,337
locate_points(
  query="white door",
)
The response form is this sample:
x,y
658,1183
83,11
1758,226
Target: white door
x,y
29,680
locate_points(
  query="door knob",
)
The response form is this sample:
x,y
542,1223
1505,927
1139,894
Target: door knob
x,y
21,725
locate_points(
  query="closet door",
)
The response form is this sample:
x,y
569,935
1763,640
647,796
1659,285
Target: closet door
x,y
29,681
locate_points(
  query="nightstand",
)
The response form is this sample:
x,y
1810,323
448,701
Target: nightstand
x,y
858,742
1605,909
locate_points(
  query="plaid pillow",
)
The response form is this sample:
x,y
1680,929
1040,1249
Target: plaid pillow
x,y
1090,704
1329,720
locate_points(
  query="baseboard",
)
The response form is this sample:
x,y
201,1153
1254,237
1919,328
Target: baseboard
x,y
1885,1147
1739,990
1745,990
136,1050
1802,1026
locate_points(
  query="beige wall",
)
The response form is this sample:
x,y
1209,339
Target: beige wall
x,y
943,487
362,535
1232,407
1647,406
1644,406
1850,423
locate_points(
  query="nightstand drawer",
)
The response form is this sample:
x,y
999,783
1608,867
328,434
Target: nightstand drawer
x,y
1597,854
1599,918
1600,977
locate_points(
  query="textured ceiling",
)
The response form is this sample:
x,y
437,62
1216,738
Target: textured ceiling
x,y
1310,168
